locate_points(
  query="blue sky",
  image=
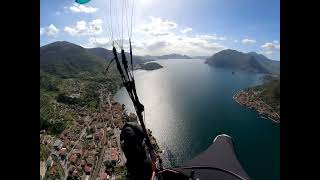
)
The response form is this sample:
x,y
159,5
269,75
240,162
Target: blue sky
x,y
192,27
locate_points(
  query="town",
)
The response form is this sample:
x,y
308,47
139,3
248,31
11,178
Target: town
x,y
250,98
90,148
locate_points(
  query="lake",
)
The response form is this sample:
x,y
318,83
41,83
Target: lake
x,y
188,103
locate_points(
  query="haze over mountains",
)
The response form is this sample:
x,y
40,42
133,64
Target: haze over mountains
x,y
251,62
169,56
67,59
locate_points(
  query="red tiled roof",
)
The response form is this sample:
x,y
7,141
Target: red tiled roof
x,y
114,154
73,158
103,176
63,151
87,169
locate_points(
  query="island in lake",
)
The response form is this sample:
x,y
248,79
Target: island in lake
x,y
264,98
150,66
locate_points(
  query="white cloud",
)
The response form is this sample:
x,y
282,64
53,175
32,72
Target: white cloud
x,y
96,25
158,36
208,37
50,30
157,27
248,41
57,13
83,28
99,42
271,46
82,8
212,37
236,41
186,30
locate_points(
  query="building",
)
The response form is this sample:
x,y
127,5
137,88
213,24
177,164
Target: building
x,y
100,125
87,177
81,121
118,123
103,176
71,169
57,144
63,153
92,145
114,156
78,152
65,144
99,134
85,153
79,168
73,159
90,136
90,160
43,168
88,169
49,162
83,163
45,139
93,128
53,171
75,173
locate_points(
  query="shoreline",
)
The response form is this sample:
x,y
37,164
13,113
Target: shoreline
x,y
263,114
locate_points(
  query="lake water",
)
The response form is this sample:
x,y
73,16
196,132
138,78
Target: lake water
x,y
188,103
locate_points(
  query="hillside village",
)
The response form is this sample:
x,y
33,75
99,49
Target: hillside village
x,y
90,149
265,99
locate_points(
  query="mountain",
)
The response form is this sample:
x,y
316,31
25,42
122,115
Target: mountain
x,y
270,93
101,52
65,59
174,56
71,78
108,54
168,56
200,57
251,62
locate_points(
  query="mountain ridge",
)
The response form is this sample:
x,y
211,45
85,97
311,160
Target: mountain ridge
x,y
251,62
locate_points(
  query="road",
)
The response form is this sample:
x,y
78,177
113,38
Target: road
x,y
117,134
98,164
101,155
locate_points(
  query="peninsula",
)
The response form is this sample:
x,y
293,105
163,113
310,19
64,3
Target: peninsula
x,y
265,99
